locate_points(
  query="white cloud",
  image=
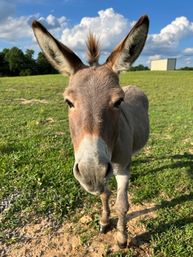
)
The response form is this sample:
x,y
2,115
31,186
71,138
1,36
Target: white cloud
x,y
14,29
188,61
172,33
188,51
53,23
110,27
153,57
167,41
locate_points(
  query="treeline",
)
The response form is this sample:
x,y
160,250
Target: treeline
x,y
15,62
186,68
139,68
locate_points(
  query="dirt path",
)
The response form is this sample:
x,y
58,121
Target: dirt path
x,y
80,237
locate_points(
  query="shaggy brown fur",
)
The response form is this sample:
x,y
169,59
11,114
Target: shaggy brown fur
x,y
93,50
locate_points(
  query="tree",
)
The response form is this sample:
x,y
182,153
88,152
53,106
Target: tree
x,y
29,54
186,68
4,67
44,67
139,67
16,60
30,64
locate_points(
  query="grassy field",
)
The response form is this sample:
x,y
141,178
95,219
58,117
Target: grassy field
x,y
36,159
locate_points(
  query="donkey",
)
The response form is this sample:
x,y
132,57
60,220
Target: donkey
x,y
107,123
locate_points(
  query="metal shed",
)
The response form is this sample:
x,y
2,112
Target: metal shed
x,y
163,64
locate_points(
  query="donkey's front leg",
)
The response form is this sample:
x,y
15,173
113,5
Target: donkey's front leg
x,y
122,207
104,220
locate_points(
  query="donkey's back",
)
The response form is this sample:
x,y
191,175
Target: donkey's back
x,y
135,112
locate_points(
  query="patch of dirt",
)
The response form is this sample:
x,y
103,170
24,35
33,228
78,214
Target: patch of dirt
x,y
60,133
32,101
191,150
47,121
79,236
167,137
147,150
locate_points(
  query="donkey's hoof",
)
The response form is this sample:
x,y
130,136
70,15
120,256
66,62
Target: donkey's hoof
x,y
103,229
122,245
121,239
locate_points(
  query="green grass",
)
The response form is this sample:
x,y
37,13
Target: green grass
x,y
36,154
36,158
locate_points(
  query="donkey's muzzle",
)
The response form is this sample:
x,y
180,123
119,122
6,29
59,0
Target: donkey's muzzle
x,y
93,178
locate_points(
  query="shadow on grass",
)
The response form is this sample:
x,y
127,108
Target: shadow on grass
x,y
164,204
177,161
10,147
146,236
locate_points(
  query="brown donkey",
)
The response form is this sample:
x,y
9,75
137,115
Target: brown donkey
x,y
107,123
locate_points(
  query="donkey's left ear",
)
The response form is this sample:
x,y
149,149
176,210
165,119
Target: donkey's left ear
x,y
130,48
60,56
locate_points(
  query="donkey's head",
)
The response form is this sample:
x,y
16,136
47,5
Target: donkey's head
x,y
94,97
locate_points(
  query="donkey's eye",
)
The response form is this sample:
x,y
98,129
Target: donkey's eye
x,y
69,103
118,103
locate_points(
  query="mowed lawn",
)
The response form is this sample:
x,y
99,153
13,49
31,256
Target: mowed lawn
x,y
36,158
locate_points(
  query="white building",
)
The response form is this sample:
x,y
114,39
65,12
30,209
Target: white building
x,y
164,64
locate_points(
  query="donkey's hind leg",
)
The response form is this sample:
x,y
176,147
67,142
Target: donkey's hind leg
x,y
122,207
104,220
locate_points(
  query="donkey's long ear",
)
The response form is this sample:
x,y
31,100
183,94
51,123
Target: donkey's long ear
x,y
129,49
59,55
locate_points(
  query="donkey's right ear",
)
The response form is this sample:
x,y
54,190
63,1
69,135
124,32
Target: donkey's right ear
x,y
59,55
125,53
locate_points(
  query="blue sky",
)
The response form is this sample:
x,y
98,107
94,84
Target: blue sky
x,y
170,34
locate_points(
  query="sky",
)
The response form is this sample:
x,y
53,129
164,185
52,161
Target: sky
x,y
170,33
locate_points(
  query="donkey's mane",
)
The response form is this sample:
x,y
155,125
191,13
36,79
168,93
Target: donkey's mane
x,y
93,49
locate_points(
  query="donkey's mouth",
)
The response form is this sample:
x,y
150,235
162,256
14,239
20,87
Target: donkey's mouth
x,y
94,191
93,178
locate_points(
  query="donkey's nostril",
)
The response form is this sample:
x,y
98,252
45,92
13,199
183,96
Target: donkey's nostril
x,y
108,170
